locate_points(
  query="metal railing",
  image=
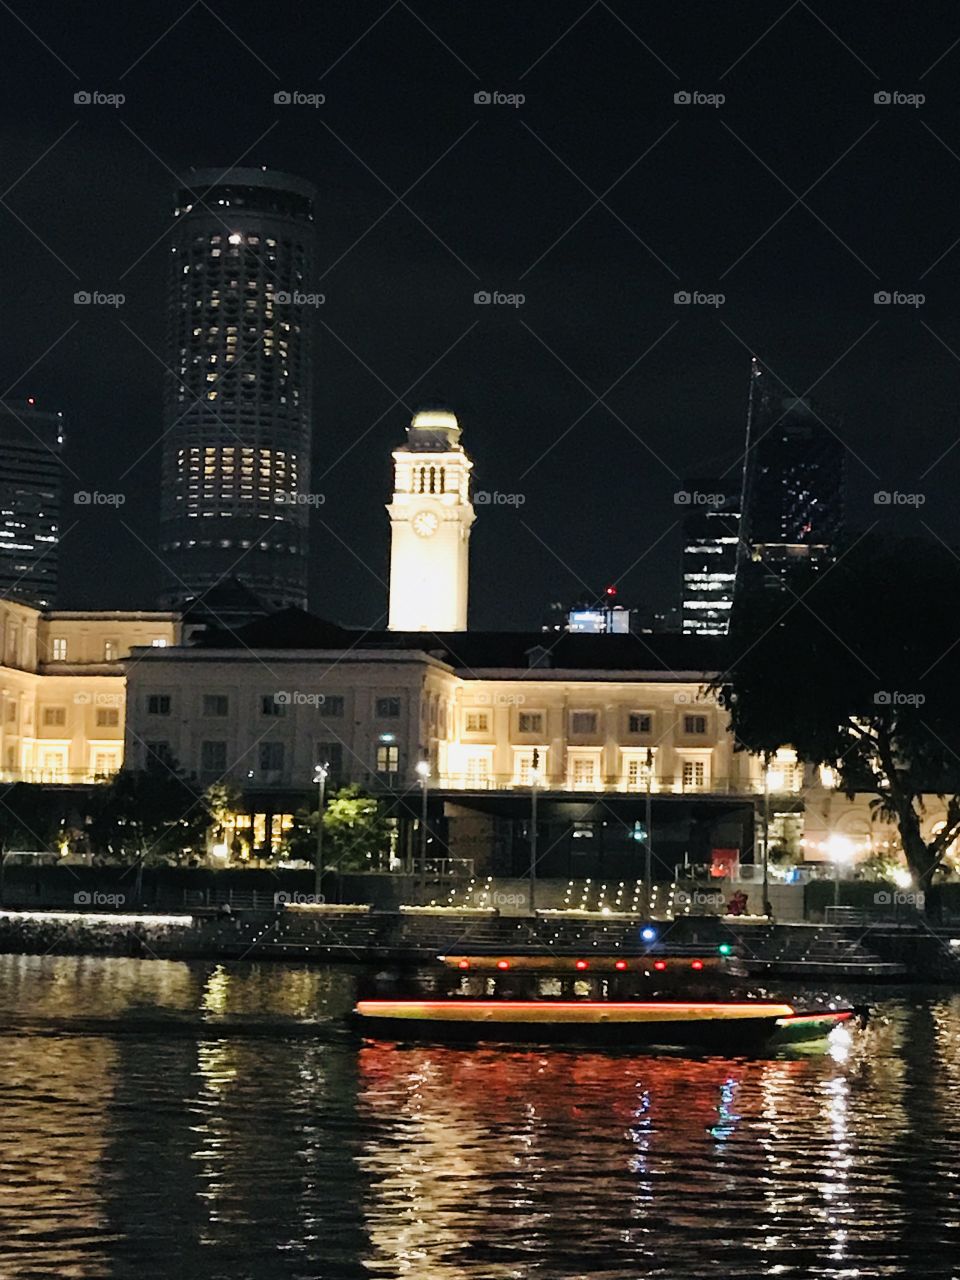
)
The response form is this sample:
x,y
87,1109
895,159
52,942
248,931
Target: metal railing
x,y
55,777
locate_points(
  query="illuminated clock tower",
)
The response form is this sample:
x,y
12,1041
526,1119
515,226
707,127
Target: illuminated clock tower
x,y
430,519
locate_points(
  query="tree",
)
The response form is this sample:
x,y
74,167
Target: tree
x,y
30,817
151,815
857,666
356,835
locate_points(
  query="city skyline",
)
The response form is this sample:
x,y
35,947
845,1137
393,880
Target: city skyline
x,y
582,364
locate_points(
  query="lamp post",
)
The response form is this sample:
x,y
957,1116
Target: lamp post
x,y
320,778
648,843
423,771
766,839
534,780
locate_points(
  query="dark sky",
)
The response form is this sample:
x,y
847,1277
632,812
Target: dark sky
x,y
698,197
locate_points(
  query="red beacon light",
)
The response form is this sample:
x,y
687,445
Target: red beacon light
x,y
503,964
621,965
696,964
660,965
463,964
582,964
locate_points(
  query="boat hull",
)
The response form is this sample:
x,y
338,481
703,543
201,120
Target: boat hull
x,y
726,1028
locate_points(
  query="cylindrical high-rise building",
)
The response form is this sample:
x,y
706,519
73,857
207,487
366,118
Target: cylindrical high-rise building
x,y
237,408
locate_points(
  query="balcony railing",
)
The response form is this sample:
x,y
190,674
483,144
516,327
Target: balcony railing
x,y
662,785
55,777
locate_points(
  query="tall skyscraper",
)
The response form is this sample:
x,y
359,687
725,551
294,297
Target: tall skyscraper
x,y
794,479
430,519
237,409
31,475
711,535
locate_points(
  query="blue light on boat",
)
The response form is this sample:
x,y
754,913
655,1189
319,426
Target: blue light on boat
x,y
648,934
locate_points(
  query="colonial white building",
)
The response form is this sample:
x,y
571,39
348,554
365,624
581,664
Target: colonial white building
x,y
63,689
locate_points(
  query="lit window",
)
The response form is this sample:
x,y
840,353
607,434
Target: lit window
x,y
584,772
694,774
59,649
388,759
477,722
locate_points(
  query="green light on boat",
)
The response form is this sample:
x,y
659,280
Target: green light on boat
x,y
725,948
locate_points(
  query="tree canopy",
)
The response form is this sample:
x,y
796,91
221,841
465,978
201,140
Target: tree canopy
x,y
356,834
155,815
857,666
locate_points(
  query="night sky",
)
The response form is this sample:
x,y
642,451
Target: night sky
x,y
598,198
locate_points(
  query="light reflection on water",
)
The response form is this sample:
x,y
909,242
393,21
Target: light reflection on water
x,y
163,1119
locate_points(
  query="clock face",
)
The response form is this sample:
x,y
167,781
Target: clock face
x,y
425,524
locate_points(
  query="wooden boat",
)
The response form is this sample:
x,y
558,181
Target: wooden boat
x,y
654,999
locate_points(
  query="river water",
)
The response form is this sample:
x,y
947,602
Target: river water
x,y
200,1120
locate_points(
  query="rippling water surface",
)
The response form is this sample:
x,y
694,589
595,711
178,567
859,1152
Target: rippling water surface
x,y
198,1120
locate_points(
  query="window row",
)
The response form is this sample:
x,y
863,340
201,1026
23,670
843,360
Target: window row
x,y
275,705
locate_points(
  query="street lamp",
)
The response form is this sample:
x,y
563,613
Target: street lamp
x,y
534,781
320,778
841,850
423,771
648,843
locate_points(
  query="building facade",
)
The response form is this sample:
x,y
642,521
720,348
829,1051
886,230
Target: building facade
x,y
794,479
237,408
431,516
711,537
611,731
63,689
31,474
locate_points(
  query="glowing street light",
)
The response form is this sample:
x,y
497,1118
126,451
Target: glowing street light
x,y
320,774
423,771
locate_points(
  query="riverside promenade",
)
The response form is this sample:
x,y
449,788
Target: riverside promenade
x,y
360,935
